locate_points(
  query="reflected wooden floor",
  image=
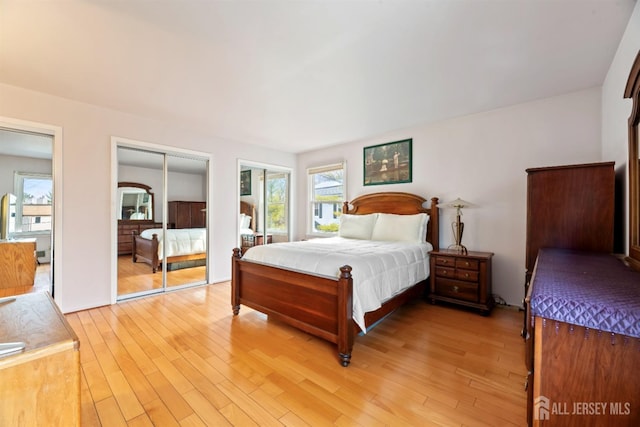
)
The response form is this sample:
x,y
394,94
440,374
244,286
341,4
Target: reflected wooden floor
x,y
138,277
183,359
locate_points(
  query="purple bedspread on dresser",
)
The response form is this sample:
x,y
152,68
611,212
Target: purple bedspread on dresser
x,y
592,290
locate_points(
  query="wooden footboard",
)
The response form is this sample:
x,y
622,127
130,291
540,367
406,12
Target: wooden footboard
x,y
321,306
146,250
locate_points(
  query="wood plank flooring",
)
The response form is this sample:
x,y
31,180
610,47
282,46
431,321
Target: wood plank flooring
x,y
138,276
182,359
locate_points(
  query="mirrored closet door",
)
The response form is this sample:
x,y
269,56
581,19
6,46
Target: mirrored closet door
x,y
264,205
162,221
186,238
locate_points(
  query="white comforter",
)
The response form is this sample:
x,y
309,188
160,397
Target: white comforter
x,y
380,269
179,241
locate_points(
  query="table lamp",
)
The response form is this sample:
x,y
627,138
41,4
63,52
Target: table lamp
x,y
457,226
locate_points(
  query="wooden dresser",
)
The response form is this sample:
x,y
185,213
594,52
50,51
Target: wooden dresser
x,y
41,384
187,214
125,230
583,341
18,263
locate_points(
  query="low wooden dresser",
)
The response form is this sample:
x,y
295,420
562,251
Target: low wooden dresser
x,y
40,384
583,340
463,279
18,263
127,227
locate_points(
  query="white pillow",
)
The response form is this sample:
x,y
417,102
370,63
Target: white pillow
x,y
400,228
357,226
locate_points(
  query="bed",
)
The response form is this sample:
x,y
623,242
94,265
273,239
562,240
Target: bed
x,y
249,237
322,304
183,245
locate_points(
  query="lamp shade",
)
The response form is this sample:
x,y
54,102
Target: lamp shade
x,y
457,204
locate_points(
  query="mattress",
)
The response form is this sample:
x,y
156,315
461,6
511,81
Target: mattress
x,y
593,290
380,269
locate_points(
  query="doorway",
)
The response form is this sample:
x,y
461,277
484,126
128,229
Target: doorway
x,y
30,162
161,200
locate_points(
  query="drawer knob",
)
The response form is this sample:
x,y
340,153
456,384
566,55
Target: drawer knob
x,y
455,289
466,275
466,263
445,272
445,261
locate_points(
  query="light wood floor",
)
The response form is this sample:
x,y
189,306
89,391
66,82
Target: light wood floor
x,y
183,359
138,276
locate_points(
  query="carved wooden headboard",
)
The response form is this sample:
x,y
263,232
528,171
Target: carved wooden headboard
x,y
401,204
250,210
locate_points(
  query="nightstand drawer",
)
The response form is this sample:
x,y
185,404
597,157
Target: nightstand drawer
x,y
468,275
446,272
456,289
467,264
445,261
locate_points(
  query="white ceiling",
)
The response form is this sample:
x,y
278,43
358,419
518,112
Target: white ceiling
x,y
298,74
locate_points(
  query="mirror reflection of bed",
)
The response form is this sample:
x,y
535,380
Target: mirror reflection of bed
x,y
249,237
140,267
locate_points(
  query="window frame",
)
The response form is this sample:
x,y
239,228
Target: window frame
x,y
18,186
312,202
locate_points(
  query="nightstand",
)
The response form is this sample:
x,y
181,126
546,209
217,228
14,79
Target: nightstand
x,y
463,279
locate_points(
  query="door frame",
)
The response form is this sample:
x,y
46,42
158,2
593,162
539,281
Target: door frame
x,y
117,141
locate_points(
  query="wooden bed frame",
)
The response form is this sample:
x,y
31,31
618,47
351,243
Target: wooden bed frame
x,y
320,305
147,251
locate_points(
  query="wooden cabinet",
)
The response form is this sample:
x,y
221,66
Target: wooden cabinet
x,y
18,263
463,279
187,214
40,384
125,233
569,207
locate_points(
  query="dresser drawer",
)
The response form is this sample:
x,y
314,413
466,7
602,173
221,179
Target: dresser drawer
x,y
457,289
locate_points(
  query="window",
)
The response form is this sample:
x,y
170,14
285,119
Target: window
x,y
34,194
326,194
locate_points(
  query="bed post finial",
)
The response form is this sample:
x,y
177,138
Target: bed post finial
x,y
434,218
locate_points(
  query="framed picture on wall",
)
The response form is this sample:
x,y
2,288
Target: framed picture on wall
x,y
388,163
245,183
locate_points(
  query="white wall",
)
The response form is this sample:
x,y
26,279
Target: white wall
x,y
616,110
482,158
85,256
